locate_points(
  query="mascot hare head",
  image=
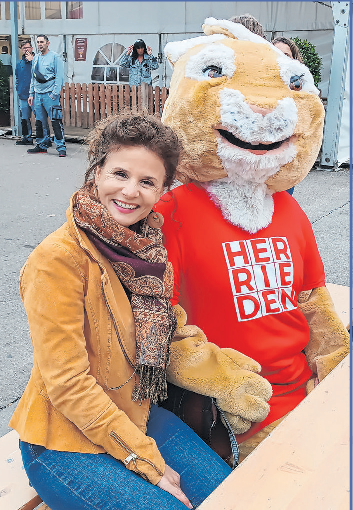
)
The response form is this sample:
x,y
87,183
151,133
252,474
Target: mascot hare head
x,y
245,112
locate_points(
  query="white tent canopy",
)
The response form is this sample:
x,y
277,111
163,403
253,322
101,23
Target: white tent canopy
x,y
116,24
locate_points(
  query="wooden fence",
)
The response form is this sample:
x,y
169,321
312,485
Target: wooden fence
x,y
83,105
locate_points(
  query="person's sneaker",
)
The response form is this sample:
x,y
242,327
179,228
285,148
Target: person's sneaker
x,y
62,153
36,150
24,141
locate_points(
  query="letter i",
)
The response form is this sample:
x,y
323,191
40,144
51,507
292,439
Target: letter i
x,y
265,275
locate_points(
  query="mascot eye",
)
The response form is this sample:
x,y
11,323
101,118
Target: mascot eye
x,y
296,82
212,72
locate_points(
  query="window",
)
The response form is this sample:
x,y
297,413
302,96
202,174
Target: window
x,y
106,65
7,11
32,10
74,10
52,10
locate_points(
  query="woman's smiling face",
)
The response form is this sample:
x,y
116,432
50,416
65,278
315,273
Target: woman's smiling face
x,y
130,182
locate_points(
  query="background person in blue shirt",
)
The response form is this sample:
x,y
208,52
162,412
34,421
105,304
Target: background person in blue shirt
x,y
44,94
140,62
6,60
23,73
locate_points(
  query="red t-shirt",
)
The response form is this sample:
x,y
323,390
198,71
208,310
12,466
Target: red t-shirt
x,y
241,289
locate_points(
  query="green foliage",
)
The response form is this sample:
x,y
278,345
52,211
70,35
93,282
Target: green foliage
x,y
310,58
4,89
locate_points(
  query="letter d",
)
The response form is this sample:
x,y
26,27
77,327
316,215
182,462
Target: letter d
x,y
247,306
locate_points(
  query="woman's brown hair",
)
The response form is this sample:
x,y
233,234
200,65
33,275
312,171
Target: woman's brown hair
x,y
292,46
132,130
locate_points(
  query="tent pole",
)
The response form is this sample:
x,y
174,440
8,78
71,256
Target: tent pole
x,y
16,128
336,88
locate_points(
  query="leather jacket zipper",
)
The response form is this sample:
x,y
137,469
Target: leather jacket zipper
x,y
116,330
133,456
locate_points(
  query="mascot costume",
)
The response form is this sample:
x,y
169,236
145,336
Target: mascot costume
x,y
247,268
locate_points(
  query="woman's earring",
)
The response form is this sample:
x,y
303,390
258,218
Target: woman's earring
x,y
95,190
155,220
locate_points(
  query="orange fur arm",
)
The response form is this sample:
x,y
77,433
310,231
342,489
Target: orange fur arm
x,y
225,374
329,339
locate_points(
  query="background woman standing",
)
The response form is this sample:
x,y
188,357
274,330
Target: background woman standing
x,y
140,61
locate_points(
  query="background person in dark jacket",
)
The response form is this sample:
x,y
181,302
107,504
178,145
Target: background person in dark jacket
x,y
23,73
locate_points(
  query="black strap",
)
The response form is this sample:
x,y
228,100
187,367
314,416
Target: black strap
x,y
202,414
39,76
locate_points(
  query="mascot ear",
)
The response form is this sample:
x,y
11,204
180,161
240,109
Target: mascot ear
x,y
216,26
232,30
176,49
215,30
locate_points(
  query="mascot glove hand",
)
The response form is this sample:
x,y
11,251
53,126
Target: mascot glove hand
x,y
246,400
197,338
224,374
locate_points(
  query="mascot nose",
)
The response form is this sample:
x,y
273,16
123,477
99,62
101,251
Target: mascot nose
x,y
261,111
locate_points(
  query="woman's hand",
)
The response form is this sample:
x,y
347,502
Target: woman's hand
x,y
149,50
170,482
129,50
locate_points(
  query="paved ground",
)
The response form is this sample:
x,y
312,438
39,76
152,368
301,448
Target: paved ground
x,y
34,193
325,197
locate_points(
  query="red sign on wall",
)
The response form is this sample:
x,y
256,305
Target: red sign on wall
x,y
80,48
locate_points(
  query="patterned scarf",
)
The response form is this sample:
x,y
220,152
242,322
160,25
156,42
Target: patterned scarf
x,y
139,259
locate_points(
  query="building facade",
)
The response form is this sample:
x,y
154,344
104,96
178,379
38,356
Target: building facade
x,y
92,36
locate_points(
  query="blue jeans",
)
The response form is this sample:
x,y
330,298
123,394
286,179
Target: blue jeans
x,y
83,481
26,114
44,106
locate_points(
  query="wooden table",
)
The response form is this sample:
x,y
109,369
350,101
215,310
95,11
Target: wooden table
x,y
304,464
340,298
298,467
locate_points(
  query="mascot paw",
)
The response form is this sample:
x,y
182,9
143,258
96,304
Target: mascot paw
x,y
180,315
245,398
225,374
186,331
242,361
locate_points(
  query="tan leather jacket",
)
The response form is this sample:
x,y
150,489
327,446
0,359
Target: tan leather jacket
x,y
78,397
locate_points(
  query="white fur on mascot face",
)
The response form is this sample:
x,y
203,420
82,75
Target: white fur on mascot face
x,y
246,132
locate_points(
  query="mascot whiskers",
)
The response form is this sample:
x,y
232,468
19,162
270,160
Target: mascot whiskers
x,y
247,268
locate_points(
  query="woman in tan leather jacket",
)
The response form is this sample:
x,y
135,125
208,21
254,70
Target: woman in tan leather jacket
x,y
96,293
